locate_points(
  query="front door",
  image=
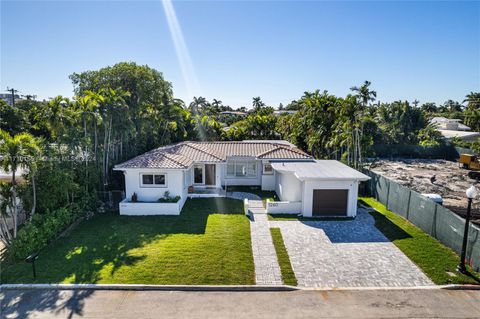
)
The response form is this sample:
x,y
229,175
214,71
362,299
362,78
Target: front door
x,y
210,174
198,174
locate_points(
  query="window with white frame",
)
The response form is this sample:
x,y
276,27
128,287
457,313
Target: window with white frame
x,y
241,169
267,169
153,180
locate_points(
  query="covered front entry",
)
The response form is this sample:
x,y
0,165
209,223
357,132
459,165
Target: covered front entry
x,y
330,202
210,174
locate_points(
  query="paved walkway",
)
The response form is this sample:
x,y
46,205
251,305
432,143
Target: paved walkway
x,y
350,253
267,270
54,304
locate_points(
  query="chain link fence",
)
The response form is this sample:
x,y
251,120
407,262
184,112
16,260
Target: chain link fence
x,y
432,218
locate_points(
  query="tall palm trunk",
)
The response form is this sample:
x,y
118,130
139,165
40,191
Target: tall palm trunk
x,y
34,195
6,232
105,150
86,150
14,201
96,142
107,160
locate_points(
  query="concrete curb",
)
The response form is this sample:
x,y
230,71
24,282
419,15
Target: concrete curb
x,y
432,287
148,287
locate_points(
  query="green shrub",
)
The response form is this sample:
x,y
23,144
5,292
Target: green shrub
x,y
43,228
167,198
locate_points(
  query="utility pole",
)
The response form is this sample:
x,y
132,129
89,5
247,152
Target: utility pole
x,y
13,91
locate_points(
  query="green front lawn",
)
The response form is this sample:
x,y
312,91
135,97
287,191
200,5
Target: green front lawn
x,y
436,260
209,243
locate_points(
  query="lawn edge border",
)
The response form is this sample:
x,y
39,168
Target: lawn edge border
x,y
219,288
149,287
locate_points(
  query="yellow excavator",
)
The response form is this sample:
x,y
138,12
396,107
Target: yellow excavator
x,y
471,162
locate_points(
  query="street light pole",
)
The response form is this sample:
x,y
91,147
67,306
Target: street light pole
x,y
471,193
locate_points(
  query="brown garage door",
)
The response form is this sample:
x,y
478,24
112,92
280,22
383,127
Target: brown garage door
x,y
330,202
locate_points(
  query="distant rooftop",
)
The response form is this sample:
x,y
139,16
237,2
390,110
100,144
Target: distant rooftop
x,y
467,136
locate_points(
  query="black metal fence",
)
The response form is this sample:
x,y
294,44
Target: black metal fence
x,y
434,219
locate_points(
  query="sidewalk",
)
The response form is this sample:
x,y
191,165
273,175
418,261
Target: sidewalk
x,y
267,270
437,303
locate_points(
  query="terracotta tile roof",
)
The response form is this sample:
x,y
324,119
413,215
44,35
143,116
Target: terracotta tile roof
x,y
184,154
283,152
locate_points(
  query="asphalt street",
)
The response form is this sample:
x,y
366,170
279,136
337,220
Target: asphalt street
x,y
431,303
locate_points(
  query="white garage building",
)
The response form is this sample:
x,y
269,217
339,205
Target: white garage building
x,y
321,187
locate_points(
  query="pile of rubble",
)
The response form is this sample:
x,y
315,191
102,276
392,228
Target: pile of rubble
x,y
441,177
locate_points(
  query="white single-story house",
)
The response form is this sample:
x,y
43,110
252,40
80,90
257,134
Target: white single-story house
x,y
160,181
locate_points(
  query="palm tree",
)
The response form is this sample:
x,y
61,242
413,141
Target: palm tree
x,y
257,103
473,100
197,103
364,95
6,205
217,104
58,116
429,107
452,106
112,102
86,105
17,151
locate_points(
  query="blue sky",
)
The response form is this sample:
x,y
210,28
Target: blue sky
x,y
428,51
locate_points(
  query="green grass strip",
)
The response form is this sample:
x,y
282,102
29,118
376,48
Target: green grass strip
x,y
436,260
283,260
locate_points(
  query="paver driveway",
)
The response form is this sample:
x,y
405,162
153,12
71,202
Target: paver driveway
x,y
350,253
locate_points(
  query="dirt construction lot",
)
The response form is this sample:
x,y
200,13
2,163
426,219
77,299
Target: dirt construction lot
x,y
451,180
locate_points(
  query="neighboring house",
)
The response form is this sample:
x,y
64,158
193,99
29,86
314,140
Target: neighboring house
x,y
8,97
283,112
442,123
452,128
234,113
206,169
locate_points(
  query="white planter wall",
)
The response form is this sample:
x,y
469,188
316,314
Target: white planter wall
x,y
145,209
284,207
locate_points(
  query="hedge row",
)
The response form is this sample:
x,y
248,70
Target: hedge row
x,y
36,234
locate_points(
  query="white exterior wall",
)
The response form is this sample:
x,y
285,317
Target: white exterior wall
x,y
310,185
175,184
219,171
284,207
268,180
288,187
